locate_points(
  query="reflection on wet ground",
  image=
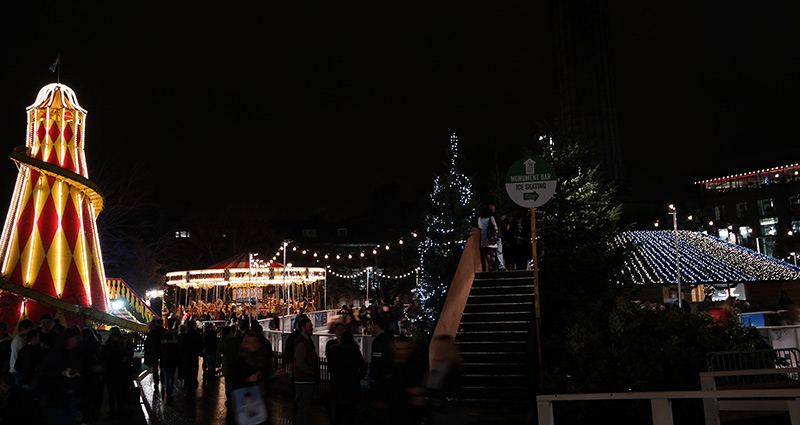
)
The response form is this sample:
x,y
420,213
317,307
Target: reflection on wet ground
x,y
206,405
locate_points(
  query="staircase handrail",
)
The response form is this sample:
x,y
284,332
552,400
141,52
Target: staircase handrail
x,y
468,265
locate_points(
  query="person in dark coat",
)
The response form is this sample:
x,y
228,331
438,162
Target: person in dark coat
x,y
117,361
254,362
90,367
443,383
381,368
29,359
228,352
17,404
210,345
152,347
59,379
191,347
169,359
347,367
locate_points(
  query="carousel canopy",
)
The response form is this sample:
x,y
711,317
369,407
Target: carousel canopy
x,y
239,271
241,261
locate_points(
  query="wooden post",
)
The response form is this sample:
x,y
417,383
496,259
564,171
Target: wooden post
x,y
661,411
545,412
537,311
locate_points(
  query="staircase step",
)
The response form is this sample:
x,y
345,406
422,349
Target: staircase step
x,y
491,336
494,380
510,274
483,368
496,316
490,346
498,307
507,325
496,393
501,290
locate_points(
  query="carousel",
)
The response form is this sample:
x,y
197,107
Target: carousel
x,y
247,283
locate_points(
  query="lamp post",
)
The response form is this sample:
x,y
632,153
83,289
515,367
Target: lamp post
x,y
674,213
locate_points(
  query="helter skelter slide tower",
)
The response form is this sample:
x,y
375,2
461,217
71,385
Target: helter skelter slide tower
x,y
49,249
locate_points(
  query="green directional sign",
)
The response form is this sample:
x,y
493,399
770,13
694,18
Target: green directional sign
x,y
531,182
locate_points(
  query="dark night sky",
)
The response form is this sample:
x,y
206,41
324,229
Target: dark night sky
x,y
315,108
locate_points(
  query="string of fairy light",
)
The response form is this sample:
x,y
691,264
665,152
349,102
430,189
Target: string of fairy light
x,y
361,253
374,273
703,259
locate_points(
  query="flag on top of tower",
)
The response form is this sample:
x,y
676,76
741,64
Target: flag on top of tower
x,y
55,63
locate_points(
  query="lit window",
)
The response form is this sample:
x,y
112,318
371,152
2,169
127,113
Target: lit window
x,y
769,226
182,234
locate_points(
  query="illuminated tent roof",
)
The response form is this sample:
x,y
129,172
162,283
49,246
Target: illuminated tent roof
x,y
241,261
237,272
703,259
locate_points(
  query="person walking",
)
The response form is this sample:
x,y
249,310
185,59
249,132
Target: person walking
x,y
58,378
347,367
210,346
152,348
305,369
443,383
191,347
169,359
381,368
117,367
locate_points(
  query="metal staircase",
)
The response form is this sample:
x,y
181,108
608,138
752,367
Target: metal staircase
x,y
497,341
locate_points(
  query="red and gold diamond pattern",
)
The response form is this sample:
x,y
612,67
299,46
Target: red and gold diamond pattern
x,y
50,242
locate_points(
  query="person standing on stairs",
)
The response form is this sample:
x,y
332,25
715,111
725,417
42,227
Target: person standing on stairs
x,y
489,239
502,228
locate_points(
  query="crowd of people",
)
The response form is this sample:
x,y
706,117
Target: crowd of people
x,y
240,353
53,374
57,375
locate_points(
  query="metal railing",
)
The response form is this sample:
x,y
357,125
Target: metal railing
x,y
783,358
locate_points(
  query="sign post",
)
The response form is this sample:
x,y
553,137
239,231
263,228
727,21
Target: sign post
x,y
531,182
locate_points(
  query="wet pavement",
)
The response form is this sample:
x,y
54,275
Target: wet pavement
x,y
206,405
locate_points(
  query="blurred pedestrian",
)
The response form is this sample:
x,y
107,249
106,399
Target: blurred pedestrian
x,y
381,369
406,389
191,348
152,348
443,383
90,366
30,359
254,362
59,379
117,364
5,347
210,346
347,367
305,369
169,359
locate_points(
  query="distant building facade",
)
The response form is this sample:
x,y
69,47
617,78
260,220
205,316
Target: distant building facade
x,y
759,210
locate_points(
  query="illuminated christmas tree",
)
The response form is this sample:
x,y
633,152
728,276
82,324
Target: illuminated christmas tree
x,y
49,247
448,223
